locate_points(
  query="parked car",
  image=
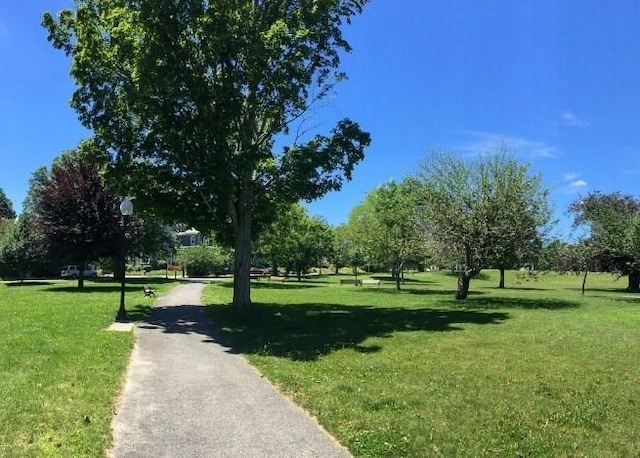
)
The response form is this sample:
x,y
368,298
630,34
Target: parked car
x,y
73,271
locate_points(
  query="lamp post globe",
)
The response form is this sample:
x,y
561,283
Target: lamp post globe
x,y
126,208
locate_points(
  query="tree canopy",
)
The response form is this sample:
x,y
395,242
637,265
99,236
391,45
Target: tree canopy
x,y
188,97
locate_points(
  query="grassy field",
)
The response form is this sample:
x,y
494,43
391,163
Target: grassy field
x,y
60,371
534,370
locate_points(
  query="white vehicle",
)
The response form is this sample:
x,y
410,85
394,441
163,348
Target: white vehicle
x,y
73,271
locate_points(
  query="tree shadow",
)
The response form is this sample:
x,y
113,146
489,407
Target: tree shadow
x,y
88,289
181,319
29,283
308,331
516,302
390,279
139,312
266,284
107,286
418,292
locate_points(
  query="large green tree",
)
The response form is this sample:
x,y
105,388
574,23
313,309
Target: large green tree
x,y
189,95
483,211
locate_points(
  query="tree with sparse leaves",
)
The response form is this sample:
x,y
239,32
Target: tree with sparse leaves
x,y
481,212
188,97
613,233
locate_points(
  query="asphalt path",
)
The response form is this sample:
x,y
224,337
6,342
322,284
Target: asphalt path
x,y
186,395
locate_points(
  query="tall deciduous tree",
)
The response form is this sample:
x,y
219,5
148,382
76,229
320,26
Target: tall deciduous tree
x,y
189,95
74,211
481,211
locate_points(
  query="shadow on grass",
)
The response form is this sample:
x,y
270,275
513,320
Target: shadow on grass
x,y
29,283
515,302
290,284
309,331
420,292
107,285
306,331
390,279
88,289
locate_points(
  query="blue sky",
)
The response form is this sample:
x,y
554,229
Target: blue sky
x,y
557,82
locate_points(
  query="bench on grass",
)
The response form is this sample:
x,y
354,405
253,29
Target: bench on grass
x,y
277,278
148,291
350,281
370,281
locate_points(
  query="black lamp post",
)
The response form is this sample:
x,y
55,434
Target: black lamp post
x,y
126,208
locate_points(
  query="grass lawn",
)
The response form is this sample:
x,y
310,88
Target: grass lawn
x,y
536,369
60,371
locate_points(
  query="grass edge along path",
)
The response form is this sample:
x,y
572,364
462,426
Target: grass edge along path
x,y
532,370
61,372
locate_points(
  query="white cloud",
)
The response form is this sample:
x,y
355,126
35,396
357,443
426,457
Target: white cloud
x,y
571,183
570,176
570,119
479,143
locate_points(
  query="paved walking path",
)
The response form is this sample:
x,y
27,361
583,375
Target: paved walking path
x,y
188,396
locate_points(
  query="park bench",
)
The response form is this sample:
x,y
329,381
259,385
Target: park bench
x,y
350,281
370,281
148,291
277,278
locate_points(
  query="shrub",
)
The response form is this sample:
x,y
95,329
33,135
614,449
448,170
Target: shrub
x,y
202,260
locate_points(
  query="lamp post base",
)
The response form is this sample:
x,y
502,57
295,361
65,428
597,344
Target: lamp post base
x,y
122,316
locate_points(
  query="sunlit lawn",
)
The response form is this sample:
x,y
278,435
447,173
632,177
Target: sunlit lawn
x,y
60,371
532,370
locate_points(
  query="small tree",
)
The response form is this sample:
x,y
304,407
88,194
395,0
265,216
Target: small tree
x,y
386,229
613,238
296,240
22,247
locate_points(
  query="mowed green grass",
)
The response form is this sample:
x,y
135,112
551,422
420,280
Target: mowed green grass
x,y
534,370
60,370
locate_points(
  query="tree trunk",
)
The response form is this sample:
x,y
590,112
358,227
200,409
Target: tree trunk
x,y
81,275
634,281
464,279
584,280
242,258
501,285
